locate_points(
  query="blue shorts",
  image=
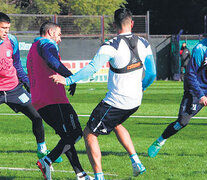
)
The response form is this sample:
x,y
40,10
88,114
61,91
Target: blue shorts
x,y
16,99
105,118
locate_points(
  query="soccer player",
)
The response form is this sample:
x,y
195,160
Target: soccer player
x,y
128,56
50,99
12,79
194,97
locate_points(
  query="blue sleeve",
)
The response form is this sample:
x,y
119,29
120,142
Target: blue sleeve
x,y
16,60
98,61
48,50
192,69
150,72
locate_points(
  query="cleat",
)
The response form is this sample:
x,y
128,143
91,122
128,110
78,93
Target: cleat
x,y
45,168
40,155
86,177
154,149
138,169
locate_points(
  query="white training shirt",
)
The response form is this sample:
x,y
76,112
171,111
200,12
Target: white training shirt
x,y
125,90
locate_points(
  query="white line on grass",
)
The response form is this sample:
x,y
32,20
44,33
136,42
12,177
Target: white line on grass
x,y
153,117
62,171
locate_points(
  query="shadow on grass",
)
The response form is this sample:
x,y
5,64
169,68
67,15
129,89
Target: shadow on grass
x,y
104,153
19,151
6,178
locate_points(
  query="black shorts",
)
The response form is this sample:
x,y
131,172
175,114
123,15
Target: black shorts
x,y
17,98
105,118
189,107
64,120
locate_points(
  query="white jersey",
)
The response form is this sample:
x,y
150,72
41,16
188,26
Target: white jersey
x,y
124,89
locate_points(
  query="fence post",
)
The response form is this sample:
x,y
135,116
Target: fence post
x,y
147,24
102,28
205,25
55,19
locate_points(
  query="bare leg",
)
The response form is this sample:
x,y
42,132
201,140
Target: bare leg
x,y
124,138
93,150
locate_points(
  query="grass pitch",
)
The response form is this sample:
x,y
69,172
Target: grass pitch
x,y
182,157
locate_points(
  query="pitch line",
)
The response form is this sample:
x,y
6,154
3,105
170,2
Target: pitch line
x,y
62,171
153,117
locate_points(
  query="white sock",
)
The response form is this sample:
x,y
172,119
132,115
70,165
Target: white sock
x,y
161,140
82,174
41,147
134,158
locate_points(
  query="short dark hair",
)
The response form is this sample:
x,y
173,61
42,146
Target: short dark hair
x,y
4,18
46,26
121,16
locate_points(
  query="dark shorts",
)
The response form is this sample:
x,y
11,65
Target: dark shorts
x,y
17,98
189,107
64,120
105,118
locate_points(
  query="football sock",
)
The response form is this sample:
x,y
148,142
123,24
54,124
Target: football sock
x,y
134,158
161,140
81,174
48,160
99,176
41,147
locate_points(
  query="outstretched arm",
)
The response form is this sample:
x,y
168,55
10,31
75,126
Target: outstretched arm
x,y
98,61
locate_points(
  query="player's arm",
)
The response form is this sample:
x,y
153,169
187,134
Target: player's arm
x,y
150,69
49,52
192,71
102,56
17,63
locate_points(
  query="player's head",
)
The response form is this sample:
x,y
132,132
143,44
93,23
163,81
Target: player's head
x,y
123,18
4,25
51,30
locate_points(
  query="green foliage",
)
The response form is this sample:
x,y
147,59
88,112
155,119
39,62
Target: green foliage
x,y
91,7
8,8
95,7
42,7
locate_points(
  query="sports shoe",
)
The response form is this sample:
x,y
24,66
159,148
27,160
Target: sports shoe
x,y
87,177
45,168
154,149
41,155
138,169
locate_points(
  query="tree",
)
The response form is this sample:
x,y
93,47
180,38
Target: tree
x,y
90,7
8,7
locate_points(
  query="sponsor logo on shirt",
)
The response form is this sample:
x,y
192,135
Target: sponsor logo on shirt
x,y
8,53
132,66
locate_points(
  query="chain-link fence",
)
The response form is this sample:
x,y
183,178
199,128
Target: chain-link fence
x,y
75,26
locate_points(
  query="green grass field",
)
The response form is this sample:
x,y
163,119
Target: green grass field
x,y
182,157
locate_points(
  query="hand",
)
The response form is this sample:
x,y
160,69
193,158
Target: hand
x,y
58,79
27,86
203,100
72,89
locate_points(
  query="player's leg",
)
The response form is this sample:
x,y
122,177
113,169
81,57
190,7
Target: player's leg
x,y
94,152
74,160
124,138
67,126
19,100
189,107
95,127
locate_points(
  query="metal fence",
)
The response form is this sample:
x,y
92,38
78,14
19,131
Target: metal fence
x,y
75,26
